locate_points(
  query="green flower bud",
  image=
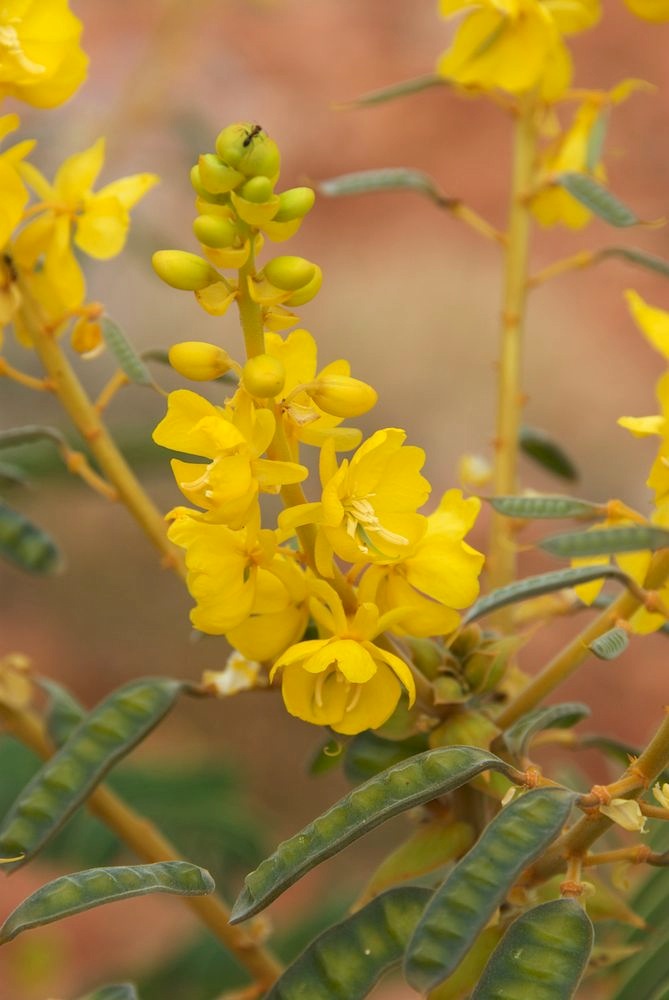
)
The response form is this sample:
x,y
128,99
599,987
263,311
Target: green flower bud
x,y
486,666
290,273
199,361
342,396
248,149
263,376
294,204
182,270
217,177
215,231
308,292
200,190
257,190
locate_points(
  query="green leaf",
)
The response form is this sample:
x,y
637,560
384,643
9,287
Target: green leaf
x,y
478,885
368,754
105,736
611,644
396,90
546,452
401,787
607,541
27,545
543,954
562,716
384,179
125,354
346,960
639,257
12,475
598,200
72,894
535,586
30,434
596,138
63,714
546,506
121,991
647,973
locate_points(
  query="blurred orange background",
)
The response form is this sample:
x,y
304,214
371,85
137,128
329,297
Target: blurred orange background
x,y
410,297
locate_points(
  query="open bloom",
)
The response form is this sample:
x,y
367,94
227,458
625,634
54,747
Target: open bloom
x,y
344,681
368,506
41,61
233,439
439,574
514,45
98,222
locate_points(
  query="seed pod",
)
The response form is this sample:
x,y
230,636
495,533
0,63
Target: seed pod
x,y
199,361
185,271
547,947
264,376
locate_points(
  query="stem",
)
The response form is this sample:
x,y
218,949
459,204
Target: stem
x,y
569,659
250,313
87,420
584,258
635,855
150,845
459,210
502,558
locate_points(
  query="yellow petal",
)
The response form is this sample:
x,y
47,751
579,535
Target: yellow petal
x,y
78,173
653,323
643,426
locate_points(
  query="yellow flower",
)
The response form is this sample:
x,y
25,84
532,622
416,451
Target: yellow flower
x,y
572,152
279,614
98,222
514,45
240,674
649,10
233,440
41,61
368,506
439,575
303,419
13,193
345,681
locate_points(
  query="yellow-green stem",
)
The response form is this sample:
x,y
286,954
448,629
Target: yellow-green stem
x,y
146,841
85,417
502,556
250,313
572,656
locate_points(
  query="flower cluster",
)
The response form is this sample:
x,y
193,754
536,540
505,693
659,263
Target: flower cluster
x,y
323,596
43,64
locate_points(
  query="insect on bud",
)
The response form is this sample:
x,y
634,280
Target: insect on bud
x,y
199,361
247,148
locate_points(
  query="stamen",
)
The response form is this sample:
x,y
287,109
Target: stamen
x,y
355,697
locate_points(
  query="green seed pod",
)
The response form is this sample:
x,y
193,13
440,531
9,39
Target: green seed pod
x,y
294,204
199,361
247,148
215,231
216,177
185,271
263,376
467,641
258,190
290,273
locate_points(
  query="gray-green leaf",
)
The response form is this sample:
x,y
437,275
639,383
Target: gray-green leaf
x,y
598,200
396,90
562,716
611,644
607,541
542,449
125,354
27,545
545,506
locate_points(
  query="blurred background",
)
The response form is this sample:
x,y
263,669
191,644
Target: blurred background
x,y
411,298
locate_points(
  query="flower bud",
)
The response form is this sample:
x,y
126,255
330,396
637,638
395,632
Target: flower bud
x,y
342,396
263,376
86,337
199,361
216,177
200,190
257,190
290,273
215,231
182,270
308,292
294,204
249,149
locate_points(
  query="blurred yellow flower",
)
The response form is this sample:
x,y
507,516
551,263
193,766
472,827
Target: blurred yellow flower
x,y
13,192
41,61
514,45
649,10
69,209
